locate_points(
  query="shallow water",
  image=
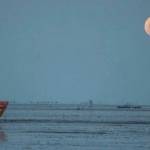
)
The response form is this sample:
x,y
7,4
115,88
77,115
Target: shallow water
x,y
39,127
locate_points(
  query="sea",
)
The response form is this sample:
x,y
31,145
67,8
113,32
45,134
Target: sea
x,y
74,127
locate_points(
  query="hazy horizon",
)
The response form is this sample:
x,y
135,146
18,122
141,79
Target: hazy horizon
x,y
73,51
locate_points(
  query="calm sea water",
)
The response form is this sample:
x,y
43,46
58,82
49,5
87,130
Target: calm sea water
x,y
43,127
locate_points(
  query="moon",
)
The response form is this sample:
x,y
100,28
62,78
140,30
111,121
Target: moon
x,y
147,26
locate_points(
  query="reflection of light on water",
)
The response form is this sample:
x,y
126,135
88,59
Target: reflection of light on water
x,y
2,135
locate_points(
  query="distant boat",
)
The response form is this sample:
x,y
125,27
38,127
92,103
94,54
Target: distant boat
x,y
3,106
129,106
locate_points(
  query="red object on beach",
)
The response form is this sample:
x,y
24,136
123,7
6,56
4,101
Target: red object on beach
x,y
3,106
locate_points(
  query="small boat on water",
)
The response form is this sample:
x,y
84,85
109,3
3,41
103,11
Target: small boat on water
x,y
3,106
130,106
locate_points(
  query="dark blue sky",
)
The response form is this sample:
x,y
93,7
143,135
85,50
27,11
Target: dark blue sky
x,y
75,50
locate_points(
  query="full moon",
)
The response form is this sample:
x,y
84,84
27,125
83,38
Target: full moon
x,y
147,26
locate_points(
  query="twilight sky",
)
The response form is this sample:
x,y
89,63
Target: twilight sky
x,y
75,50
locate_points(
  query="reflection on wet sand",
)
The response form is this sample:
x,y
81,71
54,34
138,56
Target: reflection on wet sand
x,y
2,135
